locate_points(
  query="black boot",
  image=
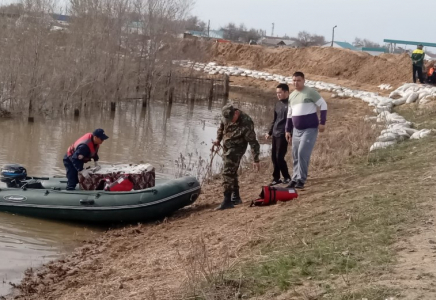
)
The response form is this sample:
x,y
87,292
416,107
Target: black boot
x,y
227,202
236,199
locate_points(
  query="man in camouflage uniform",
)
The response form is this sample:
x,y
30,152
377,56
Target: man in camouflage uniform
x,y
236,131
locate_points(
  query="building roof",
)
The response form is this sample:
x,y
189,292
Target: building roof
x,y
214,34
276,41
345,45
59,17
409,43
372,49
290,43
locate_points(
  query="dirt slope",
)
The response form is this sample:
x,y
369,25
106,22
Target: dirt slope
x,y
329,62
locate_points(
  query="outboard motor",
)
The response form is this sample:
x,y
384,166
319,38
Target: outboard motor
x,y
12,175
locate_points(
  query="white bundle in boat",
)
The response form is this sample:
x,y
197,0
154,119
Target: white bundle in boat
x,y
124,169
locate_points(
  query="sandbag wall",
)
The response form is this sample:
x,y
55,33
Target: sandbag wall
x,y
397,128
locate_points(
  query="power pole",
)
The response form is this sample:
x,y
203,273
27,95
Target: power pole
x,y
272,31
333,35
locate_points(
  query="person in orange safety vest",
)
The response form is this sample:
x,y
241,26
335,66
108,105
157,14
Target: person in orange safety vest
x,y
81,152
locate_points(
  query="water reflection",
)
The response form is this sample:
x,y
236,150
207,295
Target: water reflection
x,y
28,242
156,134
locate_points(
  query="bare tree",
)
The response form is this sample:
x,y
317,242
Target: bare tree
x,y
194,23
306,39
108,49
241,33
358,42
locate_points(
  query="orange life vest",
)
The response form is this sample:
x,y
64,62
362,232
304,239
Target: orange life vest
x,y
430,72
84,140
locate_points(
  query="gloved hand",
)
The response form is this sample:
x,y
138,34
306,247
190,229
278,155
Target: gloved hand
x,y
85,173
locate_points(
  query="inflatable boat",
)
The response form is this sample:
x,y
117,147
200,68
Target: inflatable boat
x,y
46,197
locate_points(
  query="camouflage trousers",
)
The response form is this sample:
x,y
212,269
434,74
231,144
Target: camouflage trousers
x,y
231,162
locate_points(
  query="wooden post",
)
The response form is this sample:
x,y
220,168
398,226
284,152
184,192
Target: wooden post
x,y
31,119
144,100
209,106
170,89
168,112
194,93
211,90
226,86
146,96
171,96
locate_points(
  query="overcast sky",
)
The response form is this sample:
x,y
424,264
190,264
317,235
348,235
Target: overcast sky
x,y
372,19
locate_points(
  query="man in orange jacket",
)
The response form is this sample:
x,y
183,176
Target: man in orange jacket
x,y
81,152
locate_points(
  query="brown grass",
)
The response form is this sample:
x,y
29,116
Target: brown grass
x,y
334,241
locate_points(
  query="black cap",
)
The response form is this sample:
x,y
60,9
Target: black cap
x,y
100,134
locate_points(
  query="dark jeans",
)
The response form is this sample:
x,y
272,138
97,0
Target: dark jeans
x,y
419,70
72,174
278,152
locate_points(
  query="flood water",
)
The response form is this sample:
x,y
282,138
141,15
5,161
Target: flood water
x,y
158,135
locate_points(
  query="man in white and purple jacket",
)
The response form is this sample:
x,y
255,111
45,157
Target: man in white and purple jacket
x,y
302,126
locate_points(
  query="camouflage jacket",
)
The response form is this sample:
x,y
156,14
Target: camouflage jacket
x,y
236,136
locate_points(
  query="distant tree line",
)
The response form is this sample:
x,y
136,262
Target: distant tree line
x,y
358,42
108,49
242,34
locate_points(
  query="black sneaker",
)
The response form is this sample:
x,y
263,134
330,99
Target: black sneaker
x,y
299,185
286,180
291,185
275,182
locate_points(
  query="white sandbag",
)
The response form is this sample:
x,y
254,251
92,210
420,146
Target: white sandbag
x,y
412,98
415,136
410,131
423,94
381,145
387,137
380,109
370,119
420,134
398,102
424,133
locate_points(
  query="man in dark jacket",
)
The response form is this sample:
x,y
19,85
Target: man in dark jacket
x,y
418,62
278,134
81,152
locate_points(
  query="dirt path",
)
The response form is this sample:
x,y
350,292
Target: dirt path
x,y
415,272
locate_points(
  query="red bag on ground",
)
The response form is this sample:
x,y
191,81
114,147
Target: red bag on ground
x,y
122,184
270,195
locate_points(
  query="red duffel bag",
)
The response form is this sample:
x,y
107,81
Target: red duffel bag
x,y
122,184
270,195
